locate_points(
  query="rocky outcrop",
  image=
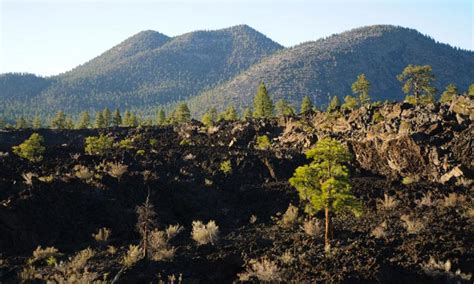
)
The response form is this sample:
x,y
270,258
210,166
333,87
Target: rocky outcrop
x,y
397,140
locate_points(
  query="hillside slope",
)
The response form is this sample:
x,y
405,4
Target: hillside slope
x,y
150,69
328,67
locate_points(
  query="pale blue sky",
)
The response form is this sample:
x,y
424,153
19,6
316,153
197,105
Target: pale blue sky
x,y
47,37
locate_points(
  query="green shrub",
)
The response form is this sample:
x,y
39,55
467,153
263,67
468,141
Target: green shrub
x,y
377,117
263,142
98,145
141,152
126,144
31,149
226,167
185,142
153,142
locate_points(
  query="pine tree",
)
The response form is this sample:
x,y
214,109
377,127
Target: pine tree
x,y
448,94
470,91
349,103
207,120
116,118
283,108
133,121
99,120
59,121
69,124
230,114
161,117
21,123
324,183
262,104
333,104
182,113
247,114
107,117
361,87
306,105
417,81
84,120
37,123
126,119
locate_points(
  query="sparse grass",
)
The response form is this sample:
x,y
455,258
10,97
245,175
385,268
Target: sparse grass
x,y
287,257
102,235
204,234
453,200
263,270
426,200
173,230
111,250
83,172
43,253
312,227
412,225
158,247
290,218
133,255
380,231
387,202
116,170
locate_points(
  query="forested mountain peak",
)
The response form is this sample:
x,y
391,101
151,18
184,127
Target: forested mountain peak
x,y
327,67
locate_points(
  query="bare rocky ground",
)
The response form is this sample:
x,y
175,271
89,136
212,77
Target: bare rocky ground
x,y
419,158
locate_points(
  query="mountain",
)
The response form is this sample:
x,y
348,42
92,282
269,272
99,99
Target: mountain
x,y
147,70
329,66
220,67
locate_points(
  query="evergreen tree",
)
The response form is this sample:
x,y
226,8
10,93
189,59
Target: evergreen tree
x,y
324,183
361,87
37,123
349,103
306,105
207,119
448,94
133,121
126,119
21,123
116,118
283,108
161,117
182,113
99,120
470,91
262,104
59,121
333,104
213,113
417,81
107,117
230,114
84,120
247,114
69,124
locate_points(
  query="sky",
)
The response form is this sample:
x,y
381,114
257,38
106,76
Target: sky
x,y
48,37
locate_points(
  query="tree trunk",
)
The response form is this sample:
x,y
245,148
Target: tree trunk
x,y
326,232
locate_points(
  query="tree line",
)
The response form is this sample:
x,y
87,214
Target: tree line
x,y
417,84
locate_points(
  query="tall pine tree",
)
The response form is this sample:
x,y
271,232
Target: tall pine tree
x,y
262,104
306,105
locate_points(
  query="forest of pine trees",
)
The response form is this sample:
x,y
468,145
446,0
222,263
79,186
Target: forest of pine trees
x,y
416,83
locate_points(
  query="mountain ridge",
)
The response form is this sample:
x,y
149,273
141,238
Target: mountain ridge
x,y
217,67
